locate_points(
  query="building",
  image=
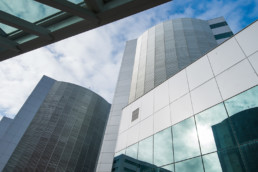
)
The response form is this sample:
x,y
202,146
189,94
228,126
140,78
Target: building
x,y
201,118
59,128
158,54
59,19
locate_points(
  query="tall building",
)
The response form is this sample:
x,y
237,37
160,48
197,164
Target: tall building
x,y
59,128
202,118
59,19
158,54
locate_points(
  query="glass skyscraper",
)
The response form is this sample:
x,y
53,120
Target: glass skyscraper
x,y
182,100
59,128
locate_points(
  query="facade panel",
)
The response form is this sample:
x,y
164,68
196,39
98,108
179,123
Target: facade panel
x,y
171,47
65,133
213,126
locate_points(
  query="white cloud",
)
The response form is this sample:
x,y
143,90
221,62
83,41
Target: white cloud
x,y
91,59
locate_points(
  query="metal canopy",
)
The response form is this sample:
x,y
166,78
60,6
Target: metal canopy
x,y
23,25
71,20
72,8
95,5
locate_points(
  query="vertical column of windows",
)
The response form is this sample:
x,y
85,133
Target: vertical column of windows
x,y
142,65
149,70
160,66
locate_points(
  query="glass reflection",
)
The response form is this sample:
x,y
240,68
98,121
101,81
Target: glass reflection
x,y
245,100
250,155
204,121
185,140
146,150
223,135
211,163
120,152
132,151
191,165
245,125
163,152
231,161
169,167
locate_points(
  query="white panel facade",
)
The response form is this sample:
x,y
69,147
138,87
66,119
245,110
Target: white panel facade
x,y
178,86
247,39
147,105
222,57
162,119
146,128
199,72
222,73
181,109
132,135
161,98
254,61
205,96
236,79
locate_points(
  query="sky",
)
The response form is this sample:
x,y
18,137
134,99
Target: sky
x,y
92,59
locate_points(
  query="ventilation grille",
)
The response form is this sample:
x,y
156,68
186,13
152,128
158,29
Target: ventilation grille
x,y
135,114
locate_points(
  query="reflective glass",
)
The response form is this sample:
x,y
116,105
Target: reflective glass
x,y
29,10
211,163
169,167
245,125
76,1
146,150
132,151
120,152
231,161
223,135
185,140
204,122
163,152
191,165
245,100
250,155
6,28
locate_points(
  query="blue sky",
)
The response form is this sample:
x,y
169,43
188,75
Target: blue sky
x,y
92,59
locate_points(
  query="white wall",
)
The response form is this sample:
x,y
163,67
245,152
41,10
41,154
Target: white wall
x,y
227,70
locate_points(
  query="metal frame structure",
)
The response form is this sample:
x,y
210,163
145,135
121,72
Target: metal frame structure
x,y
73,19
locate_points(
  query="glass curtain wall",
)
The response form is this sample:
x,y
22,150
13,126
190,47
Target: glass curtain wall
x,y
223,138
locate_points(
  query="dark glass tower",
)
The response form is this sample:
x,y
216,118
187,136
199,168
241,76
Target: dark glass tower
x,y
65,134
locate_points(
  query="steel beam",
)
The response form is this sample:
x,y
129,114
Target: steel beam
x,y
95,5
9,44
24,25
72,8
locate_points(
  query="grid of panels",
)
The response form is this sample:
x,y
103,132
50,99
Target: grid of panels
x,y
120,100
221,138
65,134
166,49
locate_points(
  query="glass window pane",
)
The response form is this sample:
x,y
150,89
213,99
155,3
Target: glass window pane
x,y
120,152
243,110
231,161
163,152
132,151
223,135
211,163
168,168
250,155
204,122
31,11
245,100
191,165
146,150
185,140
